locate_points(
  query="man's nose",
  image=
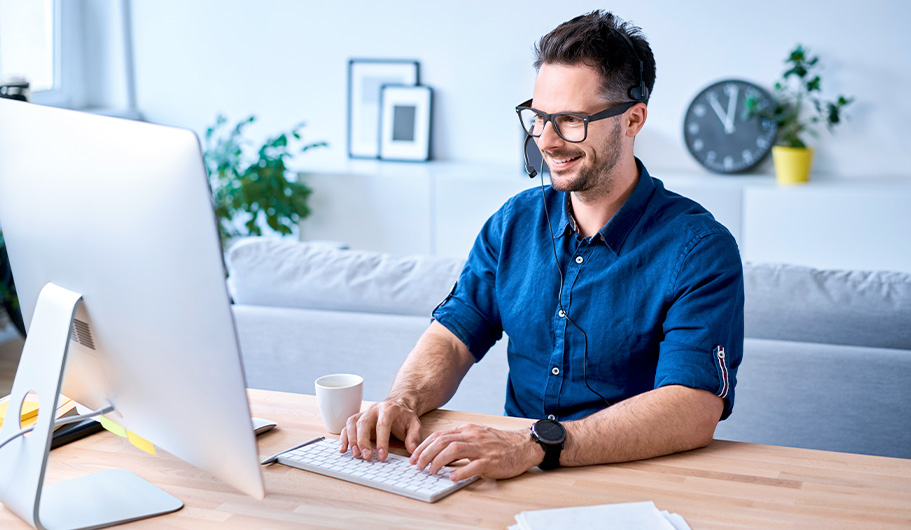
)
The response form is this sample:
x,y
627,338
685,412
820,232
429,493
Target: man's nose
x,y
549,138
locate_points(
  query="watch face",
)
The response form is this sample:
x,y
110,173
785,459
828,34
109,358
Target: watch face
x,y
549,431
716,130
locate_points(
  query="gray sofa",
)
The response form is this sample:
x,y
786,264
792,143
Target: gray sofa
x,y
827,358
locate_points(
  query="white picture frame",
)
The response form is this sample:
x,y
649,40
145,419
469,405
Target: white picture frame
x,y
365,80
404,132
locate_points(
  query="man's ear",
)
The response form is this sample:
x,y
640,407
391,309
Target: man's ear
x,y
635,119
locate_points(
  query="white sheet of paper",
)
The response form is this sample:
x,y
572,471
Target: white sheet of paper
x,y
676,519
639,515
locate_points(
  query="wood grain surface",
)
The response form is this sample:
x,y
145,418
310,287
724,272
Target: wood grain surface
x,y
725,485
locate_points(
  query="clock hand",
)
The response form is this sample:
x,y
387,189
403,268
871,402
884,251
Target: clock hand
x,y
732,109
713,101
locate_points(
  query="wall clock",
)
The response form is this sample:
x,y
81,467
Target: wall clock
x,y
717,133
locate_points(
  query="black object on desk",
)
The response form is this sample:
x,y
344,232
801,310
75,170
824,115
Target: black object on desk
x,y
74,431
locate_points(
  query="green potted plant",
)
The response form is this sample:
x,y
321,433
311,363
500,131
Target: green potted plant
x,y
252,188
799,108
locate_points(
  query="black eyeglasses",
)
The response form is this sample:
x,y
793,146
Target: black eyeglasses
x,y
570,126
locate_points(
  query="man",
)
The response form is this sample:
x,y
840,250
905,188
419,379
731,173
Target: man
x,y
623,302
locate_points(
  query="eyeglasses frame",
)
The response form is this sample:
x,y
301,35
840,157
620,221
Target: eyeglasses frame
x,y
609,112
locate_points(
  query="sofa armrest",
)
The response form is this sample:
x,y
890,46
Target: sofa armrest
x,y
823,396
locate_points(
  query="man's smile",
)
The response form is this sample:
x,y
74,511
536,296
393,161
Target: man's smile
x,y
562,160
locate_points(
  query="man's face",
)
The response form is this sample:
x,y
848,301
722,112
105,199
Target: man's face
x,y
585,166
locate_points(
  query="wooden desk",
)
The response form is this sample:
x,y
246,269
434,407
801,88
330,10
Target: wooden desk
x,y
725,485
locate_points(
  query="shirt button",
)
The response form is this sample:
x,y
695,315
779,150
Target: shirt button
x,y
579,259
551,417
562,313
555,371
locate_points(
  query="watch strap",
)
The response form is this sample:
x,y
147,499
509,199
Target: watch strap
x,y
552,447
551,456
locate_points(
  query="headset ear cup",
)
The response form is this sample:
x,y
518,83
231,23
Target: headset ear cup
x,y
639,93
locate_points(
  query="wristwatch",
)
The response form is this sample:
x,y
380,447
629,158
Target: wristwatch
x,y
551,435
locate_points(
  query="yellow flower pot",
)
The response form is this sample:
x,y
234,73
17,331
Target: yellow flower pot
x,y
792,164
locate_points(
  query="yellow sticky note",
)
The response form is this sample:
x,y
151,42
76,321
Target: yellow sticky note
x,y
29,411
141,443
113,427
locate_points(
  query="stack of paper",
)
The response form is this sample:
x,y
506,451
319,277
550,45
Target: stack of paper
x,y
638,515
29,412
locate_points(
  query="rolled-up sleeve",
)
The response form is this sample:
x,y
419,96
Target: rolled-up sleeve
x,y
703,330
471,311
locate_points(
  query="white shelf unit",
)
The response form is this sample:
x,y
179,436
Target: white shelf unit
x,y
437,208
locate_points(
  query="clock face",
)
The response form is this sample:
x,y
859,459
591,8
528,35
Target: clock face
x,y
716,130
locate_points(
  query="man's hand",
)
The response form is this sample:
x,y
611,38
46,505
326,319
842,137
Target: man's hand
x,y
379,421
428,378
491,453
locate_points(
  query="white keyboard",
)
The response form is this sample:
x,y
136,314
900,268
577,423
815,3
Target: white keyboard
x,y
395,474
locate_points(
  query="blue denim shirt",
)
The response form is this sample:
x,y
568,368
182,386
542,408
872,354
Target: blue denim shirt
x,y
658,292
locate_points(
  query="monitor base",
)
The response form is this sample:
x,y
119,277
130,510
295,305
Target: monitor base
x,y
97,500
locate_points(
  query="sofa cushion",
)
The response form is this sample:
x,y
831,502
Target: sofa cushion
x,y
857,308
285,273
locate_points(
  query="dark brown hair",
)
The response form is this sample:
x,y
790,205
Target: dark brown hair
x,y
594,39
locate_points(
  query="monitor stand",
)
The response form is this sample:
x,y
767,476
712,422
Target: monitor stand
x,y
97,500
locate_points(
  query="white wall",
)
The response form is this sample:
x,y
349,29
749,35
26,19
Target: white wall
x,y
285,61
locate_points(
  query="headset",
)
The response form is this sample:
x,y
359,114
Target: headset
x,y
639,94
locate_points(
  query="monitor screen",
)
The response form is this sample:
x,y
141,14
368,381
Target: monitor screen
x,y
120,212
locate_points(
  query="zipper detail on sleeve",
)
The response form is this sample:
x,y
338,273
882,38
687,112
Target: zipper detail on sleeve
x,y
722,372
448,296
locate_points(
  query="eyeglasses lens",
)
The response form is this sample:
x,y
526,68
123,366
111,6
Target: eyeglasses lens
x,y
571,128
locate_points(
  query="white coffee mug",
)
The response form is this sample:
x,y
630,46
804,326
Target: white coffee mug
x,y
339,397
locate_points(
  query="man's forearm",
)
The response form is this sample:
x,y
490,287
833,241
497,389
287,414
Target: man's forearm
x,y
432,372
662,421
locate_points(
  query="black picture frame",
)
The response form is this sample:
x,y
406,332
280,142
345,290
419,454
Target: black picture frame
x,y
365,79
405,122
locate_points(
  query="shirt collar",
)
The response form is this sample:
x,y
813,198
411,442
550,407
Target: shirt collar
x,y
615,232
566,224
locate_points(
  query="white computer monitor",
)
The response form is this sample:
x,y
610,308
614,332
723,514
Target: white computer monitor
x,y
120,213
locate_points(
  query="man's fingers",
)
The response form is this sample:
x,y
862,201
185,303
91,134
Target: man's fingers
x,y
365,426
431,447
414,434
348,437
418,451
453,451
380,421
475,467
383,430
343,440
